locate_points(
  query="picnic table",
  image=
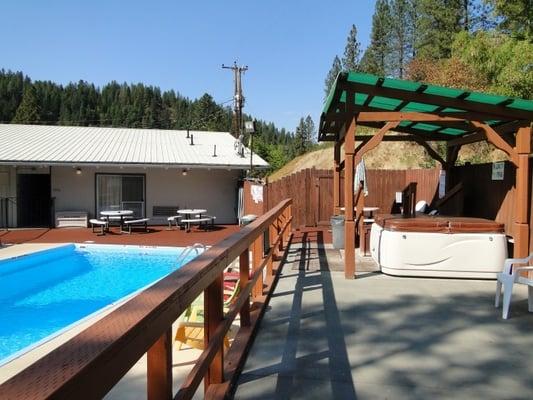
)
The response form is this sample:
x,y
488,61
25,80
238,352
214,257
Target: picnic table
x,y
116,214
193,216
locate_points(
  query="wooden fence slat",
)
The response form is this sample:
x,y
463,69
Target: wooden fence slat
x,y
312,191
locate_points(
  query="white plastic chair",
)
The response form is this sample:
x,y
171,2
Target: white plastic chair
x,y
421,206
508,277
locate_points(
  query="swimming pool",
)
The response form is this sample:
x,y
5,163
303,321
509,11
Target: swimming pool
x,y
43,293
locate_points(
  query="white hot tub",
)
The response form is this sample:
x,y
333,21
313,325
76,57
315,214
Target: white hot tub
x,y
452,247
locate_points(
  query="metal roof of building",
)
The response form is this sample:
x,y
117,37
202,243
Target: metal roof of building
x,y
56,145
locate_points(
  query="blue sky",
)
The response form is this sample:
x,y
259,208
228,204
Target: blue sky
x,y
288,45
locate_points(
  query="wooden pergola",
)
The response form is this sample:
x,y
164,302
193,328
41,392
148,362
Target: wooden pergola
x,y
422,113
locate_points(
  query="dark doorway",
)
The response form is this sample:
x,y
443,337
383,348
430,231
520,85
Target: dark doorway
x,y
33,200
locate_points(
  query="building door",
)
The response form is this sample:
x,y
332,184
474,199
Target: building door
x,y
120,192
33,200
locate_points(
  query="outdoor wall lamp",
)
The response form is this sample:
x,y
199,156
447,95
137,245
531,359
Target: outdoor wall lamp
x,y
78,171
184,172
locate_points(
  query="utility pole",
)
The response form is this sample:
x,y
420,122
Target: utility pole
x,y
238,98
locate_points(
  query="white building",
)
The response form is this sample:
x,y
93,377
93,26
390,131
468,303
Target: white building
x,y
48,169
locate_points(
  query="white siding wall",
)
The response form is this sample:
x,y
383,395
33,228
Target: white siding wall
x,y
214,190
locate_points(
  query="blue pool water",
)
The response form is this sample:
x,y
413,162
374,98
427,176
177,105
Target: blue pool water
x,y
45,292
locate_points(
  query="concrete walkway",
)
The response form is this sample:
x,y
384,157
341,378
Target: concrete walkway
x,y
381,337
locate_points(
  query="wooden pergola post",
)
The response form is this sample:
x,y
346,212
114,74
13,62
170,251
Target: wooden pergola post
x,y
521,222
349,223
336,178
452,152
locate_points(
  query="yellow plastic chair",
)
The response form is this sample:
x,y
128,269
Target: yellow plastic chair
x,y
191,323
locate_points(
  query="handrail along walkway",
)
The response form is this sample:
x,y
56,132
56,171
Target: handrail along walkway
x,y
91,363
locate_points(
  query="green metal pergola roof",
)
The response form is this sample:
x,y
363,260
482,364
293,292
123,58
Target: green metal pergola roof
x,y
375,94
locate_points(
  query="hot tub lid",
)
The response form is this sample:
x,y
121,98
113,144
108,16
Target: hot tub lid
x,y
475,225
419,224
438,224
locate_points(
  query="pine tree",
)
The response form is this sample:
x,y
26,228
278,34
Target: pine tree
x,y
332,75
299,139
402,33
28,112
437,23
516,17
377,54
303,138
352,51
310,129
11,90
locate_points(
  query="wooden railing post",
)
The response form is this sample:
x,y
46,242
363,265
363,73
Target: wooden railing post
x,y
279,224
257,256
214,314
244,275
159,368
270,262
289,216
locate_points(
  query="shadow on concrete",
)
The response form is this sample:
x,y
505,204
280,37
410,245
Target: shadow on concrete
x,y
386,337
301,356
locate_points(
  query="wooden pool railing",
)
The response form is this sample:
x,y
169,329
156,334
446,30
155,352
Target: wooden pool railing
x,y
90,364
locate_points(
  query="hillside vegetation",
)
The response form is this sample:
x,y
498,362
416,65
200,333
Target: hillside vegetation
x,y
389,155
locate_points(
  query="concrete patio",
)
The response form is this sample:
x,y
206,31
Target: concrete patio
x,y
382,337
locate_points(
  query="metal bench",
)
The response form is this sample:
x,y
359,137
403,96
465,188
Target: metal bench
x,y
100,223
142,222
173,219
195,221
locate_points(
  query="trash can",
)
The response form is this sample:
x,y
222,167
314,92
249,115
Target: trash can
x,y
337,231
246,219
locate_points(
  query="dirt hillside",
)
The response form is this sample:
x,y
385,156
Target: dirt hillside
x,y
388,155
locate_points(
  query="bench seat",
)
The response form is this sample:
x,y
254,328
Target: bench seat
x,y
100,223
141,222
195,221
171,219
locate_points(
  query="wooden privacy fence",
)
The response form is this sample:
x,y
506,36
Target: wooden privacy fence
x,y
312,191
484,197
91,363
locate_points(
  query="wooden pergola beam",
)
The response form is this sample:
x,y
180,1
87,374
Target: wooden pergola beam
x,y
495,138
376,139
395,138
455,116
467,139
380,116
413,131
431,151
501,112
